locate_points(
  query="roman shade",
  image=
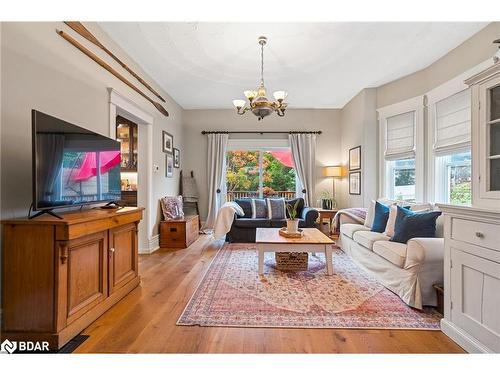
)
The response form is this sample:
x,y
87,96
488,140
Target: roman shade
x,y
452,130
400,136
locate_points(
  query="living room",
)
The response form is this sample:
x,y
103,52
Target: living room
x,y
288,186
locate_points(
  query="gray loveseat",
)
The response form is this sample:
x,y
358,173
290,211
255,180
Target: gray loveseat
x,y
244,228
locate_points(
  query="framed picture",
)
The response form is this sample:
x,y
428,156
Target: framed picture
x,y
355,158
355,183
168,142
170,165
177,158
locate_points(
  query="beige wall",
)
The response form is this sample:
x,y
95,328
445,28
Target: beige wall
x,y
470,53
359,128
328,151
41,70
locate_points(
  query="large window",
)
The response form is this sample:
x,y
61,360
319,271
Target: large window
x,y
451,130
402,179
260,173
453,178
401,131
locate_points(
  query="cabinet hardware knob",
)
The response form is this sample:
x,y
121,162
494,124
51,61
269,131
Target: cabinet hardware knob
x,y
112,249
479,235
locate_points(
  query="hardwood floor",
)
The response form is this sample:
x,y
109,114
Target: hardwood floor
x,y
144,321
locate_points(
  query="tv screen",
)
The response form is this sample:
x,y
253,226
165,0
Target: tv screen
x,y
72,165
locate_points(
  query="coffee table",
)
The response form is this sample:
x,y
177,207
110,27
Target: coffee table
x,y
269,240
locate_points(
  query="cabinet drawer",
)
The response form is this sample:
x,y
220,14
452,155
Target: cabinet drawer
x,y
476,232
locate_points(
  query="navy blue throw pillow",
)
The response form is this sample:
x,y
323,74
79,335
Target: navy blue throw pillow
x,y
380,218
411,224
246,205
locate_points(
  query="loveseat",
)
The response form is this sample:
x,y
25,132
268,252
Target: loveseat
x,y
244,227
408,269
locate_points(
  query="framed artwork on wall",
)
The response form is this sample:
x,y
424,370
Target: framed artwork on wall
x,y
168,142
169,165
177,158
355,158
355,183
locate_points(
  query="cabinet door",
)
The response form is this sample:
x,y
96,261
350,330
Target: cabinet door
x,y
475,283
86,274
123,260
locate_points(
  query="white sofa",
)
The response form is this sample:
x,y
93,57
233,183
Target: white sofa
x,y
410,270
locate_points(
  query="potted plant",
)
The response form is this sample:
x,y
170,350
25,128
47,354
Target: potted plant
x,y
327,200
292,223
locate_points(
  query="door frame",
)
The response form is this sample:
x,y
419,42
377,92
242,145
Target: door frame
x,y
125,107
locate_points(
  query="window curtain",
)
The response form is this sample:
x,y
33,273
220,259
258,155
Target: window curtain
x,y
216,169
453,123
400,136
303,148
51,146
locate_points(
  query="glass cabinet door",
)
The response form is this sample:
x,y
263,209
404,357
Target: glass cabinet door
x,y
493,133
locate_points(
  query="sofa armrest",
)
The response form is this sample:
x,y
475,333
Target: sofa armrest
x,y
420,250
309,215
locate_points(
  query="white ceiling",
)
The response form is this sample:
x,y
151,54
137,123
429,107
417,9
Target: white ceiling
x,y
321,65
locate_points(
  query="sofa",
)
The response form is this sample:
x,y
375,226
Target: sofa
x,y
409,270
244,227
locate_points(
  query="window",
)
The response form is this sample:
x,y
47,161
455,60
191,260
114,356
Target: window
x,y
401,145
453,178
260,173
402,179
451,153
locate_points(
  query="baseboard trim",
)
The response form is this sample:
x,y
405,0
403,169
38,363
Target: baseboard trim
x,y
153,245
462,338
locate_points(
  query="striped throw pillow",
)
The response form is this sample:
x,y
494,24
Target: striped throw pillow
x,y
276,208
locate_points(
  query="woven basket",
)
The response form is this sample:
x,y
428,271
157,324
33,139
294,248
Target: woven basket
x,y
292,261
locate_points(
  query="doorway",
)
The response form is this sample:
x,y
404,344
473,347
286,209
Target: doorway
x,y
127,133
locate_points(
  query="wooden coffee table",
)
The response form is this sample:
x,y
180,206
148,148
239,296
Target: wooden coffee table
x,y
313,241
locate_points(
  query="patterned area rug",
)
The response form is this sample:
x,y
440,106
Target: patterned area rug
x,y
233,294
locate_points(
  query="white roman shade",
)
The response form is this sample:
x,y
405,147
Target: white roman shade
x,y
453,123
400,136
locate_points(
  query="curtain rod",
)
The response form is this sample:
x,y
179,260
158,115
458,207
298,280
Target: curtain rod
x,y
259,132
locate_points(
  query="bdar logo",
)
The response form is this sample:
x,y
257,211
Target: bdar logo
x,y
8,347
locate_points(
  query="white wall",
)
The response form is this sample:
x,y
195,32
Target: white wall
x,y
40,70
328,151
359,128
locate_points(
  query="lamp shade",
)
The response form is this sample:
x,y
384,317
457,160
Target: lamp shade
x,y
334,171
238,103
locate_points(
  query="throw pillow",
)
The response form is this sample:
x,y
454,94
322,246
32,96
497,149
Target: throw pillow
x,y
172,207
380,218
391,221
370,214
259,209
411,224
276,208
246,205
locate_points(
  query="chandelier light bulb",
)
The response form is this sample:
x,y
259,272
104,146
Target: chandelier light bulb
x,y
280,95
250,94
238,103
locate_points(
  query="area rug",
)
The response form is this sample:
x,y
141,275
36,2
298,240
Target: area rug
x,y
232,294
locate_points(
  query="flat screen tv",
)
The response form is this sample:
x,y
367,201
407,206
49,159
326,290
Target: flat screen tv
x,y
72,165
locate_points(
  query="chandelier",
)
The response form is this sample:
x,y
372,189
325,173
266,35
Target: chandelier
x,y
257,100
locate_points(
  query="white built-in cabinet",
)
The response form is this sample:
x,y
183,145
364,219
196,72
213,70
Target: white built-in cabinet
x,y
485,88
472,277
472,234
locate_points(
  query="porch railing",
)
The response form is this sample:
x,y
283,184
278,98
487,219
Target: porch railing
x,y
232,195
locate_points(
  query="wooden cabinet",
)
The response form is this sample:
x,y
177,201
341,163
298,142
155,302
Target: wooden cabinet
x,y
123,259
486,137
58,276
472,277
179,234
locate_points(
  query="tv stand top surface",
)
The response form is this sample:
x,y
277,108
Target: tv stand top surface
x,y
75,216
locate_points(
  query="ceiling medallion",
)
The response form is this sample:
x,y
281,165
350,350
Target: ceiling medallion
x,y
257,100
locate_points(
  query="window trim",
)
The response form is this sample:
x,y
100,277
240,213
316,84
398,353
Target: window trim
x,y
415,105
441,92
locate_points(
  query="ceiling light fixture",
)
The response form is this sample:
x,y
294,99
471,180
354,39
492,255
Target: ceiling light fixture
x,y
257,100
